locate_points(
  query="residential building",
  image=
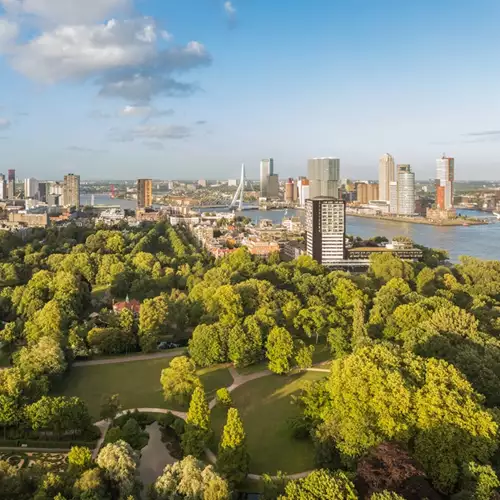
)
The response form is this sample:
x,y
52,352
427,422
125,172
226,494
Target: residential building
x,y
366,192
393,197
386,175
324,177
29,220
232,183
30,188
144,193
445,180
406,190
293,249
3,187
11,185
303,191
325,229
261,248
202,183
71,191
290,189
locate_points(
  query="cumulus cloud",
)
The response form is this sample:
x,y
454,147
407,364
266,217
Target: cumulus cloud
x,y
67,11
4,123
484,133
122,57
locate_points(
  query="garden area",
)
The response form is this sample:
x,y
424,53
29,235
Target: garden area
x,y
265,407
136,382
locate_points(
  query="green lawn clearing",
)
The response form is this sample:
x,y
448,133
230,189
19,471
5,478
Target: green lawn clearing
x,y
265,406
137,383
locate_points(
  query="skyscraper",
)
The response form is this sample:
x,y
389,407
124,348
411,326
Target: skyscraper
x,y
144,193
324,176
393,197
3,187
325,229
11,186
406,190
366,192
30,188
303,188
386,175
266,170
445,179
71,191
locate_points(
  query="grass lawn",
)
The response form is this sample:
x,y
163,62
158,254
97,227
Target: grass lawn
x,y
265,406
137,383
248,370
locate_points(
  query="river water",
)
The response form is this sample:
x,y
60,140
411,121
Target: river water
x,y
478,241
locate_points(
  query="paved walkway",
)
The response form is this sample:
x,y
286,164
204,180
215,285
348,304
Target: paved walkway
x,y
238,380
127,359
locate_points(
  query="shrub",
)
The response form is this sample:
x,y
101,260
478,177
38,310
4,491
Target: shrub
x,y
224,397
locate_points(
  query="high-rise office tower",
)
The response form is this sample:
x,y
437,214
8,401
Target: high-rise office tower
x,y
266,170
11,186
3,187
42,191
324,177
273,187
30,188
445,179
386,175
406,190
71,191
144,193
325,229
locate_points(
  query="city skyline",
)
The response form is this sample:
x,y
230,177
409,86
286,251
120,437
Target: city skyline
x,y
179,85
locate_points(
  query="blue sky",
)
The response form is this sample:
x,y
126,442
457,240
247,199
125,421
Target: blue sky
x,y
192,88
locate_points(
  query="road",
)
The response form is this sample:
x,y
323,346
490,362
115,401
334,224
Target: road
x,y
127,359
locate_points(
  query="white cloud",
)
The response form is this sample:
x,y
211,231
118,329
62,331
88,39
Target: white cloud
x,y
4,123
67,11
229,8
8,34
76,52
145,111
151,132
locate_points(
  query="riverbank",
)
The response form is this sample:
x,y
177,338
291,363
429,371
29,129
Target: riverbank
x,y
422,220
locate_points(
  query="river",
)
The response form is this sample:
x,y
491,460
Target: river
x,y
478,241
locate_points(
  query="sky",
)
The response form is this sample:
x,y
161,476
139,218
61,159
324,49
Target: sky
x,y
190,89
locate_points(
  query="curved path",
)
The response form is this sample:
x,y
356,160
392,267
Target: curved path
x,y
127,359
238,380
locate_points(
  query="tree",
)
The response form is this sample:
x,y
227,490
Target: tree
x,y
304,357
127,320
119,463
321,485
111,341
233,460
244,345
480,481
43,358
153,320
179,380
314,321
110,407
198,431
359,334
79,459
386,266
9,412
9,334
189,479
90,485
279,350
208,345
